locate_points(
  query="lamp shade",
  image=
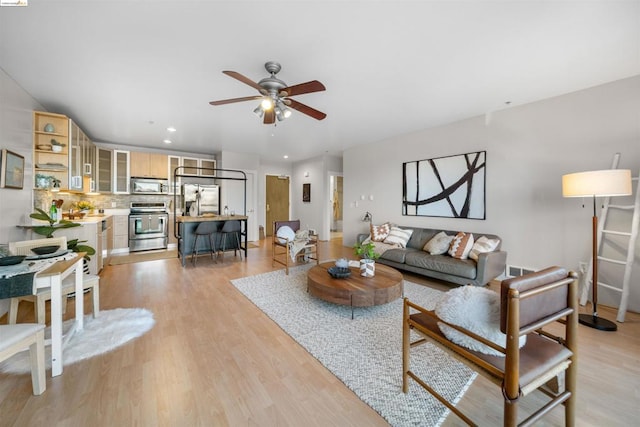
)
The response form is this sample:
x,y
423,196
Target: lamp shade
x,y
604,183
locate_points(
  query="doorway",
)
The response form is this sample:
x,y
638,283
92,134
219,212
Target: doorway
x,y
277,201
336,211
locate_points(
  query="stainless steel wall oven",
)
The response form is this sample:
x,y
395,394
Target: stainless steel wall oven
x,y
148,226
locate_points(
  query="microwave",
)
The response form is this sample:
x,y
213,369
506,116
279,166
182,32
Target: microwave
x,y
140,185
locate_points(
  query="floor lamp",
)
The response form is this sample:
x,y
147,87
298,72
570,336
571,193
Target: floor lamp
x,y
602,183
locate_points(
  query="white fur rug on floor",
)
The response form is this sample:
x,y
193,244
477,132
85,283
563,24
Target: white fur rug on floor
x,y
110,330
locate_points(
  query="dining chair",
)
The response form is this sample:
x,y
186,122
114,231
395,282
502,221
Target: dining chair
x,y
90,282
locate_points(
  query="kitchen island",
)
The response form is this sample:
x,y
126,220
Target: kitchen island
x,y
185,233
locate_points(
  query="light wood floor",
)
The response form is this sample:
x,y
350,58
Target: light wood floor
x,y
214,359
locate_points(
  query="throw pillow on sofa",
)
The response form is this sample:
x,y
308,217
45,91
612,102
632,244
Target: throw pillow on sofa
x,y
461,245
483,245
380,232
477,310
439,244
398,236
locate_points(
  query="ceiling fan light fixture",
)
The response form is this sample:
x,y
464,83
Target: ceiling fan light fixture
x,y
259,111
267,103
286,113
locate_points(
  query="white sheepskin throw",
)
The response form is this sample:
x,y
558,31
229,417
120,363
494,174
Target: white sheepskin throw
x,y
476,309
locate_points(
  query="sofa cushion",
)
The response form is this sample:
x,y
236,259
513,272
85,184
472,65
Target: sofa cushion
x,y
398,236
439,244
380,232
396,254
483,245
443,263
477,310
461,245
420,237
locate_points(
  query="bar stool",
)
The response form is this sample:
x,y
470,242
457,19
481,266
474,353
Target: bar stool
x,y
231,229
208,229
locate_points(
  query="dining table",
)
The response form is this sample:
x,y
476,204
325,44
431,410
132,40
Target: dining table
x,y
31,276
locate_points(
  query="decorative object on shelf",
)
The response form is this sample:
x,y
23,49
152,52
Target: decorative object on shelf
x,y
44,147
602,183
339,272
56,146
12,172
451,187
49,128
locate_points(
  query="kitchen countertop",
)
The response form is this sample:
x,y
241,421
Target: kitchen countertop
x,y
210,218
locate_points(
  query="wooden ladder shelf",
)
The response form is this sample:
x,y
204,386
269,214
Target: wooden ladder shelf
x,y
632,238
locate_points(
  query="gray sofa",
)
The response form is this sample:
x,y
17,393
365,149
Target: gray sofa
x,y
460,271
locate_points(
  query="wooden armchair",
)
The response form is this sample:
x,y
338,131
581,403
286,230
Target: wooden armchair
x,y
282,247
527,304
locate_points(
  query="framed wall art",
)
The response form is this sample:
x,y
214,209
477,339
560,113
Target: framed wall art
x,y
12,170
306,193
452,186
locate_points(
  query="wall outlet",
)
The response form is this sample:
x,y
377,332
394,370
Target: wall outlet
x,y
114,204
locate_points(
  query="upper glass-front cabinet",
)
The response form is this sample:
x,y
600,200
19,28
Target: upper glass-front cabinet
x,y
120,171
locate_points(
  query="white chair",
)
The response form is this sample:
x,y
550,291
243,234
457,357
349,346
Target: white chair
x,y
43,295
16,338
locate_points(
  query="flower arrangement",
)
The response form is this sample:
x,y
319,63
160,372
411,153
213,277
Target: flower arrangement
x,y
366,250
84,205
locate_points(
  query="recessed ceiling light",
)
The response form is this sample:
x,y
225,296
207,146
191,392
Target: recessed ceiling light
x,y
167,141
171,129
285,156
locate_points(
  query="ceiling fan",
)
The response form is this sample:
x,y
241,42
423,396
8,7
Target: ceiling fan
x,y
275,95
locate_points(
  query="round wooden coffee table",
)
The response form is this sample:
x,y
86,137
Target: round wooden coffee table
x,y
356,291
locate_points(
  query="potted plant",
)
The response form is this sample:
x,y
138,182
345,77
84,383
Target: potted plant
x,y
367,253
48,230
57,146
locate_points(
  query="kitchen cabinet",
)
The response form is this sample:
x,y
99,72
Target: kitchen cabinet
x,y
192,165
120,233
104,167
82,160
149,165
48,127
174,162
121,171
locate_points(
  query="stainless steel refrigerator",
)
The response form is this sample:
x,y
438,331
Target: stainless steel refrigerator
x,y
204,198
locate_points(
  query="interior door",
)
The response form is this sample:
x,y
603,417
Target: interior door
x,y
277,201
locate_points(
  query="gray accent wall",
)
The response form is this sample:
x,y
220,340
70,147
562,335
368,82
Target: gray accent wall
x,y
529,147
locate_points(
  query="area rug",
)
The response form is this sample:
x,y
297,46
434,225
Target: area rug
x,y
142,256
364,353
110,330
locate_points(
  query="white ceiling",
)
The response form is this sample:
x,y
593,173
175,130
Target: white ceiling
x,y
126,70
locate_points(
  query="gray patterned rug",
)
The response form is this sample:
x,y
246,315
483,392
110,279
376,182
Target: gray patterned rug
x,y
364,353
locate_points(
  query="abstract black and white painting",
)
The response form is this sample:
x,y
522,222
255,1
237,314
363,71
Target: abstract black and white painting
x,y
452,186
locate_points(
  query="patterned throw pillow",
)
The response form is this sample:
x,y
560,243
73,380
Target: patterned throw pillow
x,y
398,236
439,244
461,245
380,232
483,245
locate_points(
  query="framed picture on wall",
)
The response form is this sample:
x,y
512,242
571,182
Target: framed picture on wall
x,y
12,170
306,193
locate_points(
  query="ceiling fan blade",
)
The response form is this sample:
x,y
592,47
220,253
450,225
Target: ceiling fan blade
x,y
243,79
308,87
232,100
269,117
318,115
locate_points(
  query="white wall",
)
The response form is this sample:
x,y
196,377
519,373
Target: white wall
x,y
529,148
16,118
